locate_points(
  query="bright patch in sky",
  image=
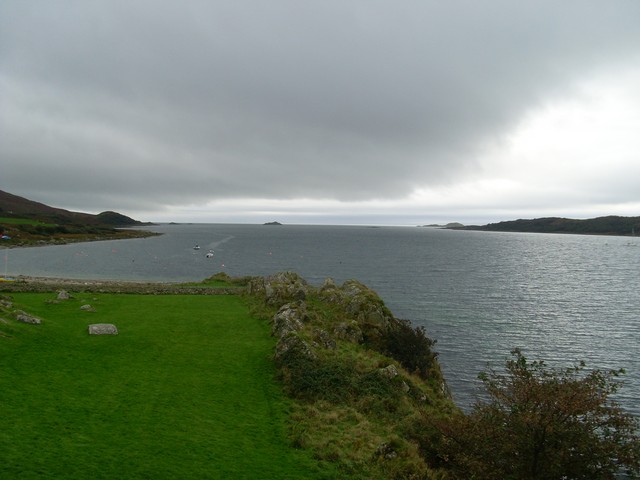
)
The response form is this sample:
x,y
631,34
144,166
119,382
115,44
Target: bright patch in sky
x,y
578,157
563,157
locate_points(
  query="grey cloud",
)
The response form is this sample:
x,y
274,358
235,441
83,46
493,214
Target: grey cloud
x,y
153,103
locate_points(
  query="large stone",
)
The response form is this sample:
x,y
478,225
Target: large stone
x,y
103,329
63,295
25,318
292,343
290,318
389,371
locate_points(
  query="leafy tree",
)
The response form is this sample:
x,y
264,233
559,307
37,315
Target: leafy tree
x,y
542,423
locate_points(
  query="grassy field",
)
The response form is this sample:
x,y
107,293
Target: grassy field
x,y
186,390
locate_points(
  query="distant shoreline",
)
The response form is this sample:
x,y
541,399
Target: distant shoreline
x,y
118,234
610,225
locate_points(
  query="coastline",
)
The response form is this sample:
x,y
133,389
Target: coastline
x,y
24,283
117,234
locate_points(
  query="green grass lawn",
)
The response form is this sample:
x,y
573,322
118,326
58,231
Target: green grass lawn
x,y
186,390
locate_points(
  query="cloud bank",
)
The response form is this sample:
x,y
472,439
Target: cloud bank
x,y
158,106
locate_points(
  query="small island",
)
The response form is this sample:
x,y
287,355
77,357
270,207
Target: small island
x,y
272,223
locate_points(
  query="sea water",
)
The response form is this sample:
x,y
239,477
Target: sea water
x,y
559,298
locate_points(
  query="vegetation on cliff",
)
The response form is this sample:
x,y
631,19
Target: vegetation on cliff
x,y
541,423
367,386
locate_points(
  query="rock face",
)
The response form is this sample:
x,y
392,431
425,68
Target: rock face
x,y
290,318
280,288
103,329
287,324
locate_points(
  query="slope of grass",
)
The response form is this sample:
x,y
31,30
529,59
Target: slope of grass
x,y
186,390
23,221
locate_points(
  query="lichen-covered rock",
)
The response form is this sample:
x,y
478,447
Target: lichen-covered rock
x,y
284,287
389,371
292,343
256,286
290,318
87,308
331,293
328,284
367,308
324,340
103,329
63,295
349,331
26,318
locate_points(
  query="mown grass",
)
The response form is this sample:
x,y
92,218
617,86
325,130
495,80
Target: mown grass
x,y
186,390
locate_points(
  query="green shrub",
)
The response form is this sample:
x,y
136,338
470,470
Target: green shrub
x,y
411,347
544,423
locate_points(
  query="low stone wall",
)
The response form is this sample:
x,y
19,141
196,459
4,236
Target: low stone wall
x,y
44,285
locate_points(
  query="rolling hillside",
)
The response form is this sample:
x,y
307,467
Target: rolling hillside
x,y
26,222
13,206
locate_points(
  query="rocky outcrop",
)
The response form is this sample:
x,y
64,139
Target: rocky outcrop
x,y
26,318
365,305
289,319
293,344
349,331
323,339
287,324
280,288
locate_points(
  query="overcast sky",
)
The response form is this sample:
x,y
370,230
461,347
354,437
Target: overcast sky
x,y
345,111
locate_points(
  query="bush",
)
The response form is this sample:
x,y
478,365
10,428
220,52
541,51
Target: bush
x,y
411,347
543,423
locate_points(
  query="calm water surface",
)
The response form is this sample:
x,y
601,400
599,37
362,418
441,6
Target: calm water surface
x,y
561,298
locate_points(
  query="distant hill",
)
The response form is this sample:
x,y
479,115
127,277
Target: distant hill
x,y
609,225
13,206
